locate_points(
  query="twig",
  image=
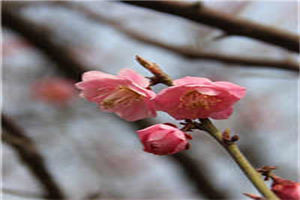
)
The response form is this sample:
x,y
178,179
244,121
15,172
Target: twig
x,y
240,159
231,25
233,150
186,52
31,157
73,68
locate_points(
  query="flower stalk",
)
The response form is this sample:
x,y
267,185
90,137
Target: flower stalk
x,y
240,159
209,127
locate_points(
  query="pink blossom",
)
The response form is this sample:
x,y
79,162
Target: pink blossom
x,y
286,189
163,139
194,97
124,94
58,91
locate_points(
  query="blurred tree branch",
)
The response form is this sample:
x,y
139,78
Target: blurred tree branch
x,y
231,25
181,50
28,153
41,37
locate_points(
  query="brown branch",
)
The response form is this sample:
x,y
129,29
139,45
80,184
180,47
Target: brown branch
x,y
40,36
231,25
28,153
185,51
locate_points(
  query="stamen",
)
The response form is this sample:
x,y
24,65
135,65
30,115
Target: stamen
x,y
124,96
194,99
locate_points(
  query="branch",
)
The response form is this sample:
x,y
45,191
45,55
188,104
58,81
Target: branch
x,y
40,36
231,25
239,158
227,142
30,156
185,51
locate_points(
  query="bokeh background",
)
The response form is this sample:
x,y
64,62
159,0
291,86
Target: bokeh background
x,y
95,155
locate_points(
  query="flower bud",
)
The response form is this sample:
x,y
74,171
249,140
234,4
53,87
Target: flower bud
x,y
286,189
163,139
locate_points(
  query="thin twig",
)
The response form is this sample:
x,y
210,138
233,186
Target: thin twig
x,y
14,136
231,25
186,52
73,68
240,159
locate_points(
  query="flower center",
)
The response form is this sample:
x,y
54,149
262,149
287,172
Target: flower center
x,y
194,99
123,96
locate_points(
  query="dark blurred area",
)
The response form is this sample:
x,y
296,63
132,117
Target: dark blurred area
x,y
88,154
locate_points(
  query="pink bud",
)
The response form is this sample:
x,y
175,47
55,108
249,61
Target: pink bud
x,y
194,97
58,91
124,94
286,189
162,139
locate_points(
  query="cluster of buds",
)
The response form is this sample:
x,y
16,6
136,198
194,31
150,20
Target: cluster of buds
x,y
129,95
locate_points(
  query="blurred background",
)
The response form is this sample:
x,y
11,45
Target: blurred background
x,y
88,154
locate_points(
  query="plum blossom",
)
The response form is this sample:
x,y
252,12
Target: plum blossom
x,y
124,94
286,189
55,90
163,139
194,97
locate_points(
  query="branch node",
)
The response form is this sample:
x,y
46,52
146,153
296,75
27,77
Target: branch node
x,y
266,171
227,139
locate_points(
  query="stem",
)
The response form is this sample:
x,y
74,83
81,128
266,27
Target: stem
x,y
240,159
209,127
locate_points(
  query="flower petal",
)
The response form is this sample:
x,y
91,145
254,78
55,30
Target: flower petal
x,y
225,114
134,77
91,75
232,88
189,80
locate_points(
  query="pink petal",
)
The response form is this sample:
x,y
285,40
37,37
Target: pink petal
x,y
189,80
135,112
160,128
134,77
91,75
232,88
181,146
225,114
170,101
99,87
